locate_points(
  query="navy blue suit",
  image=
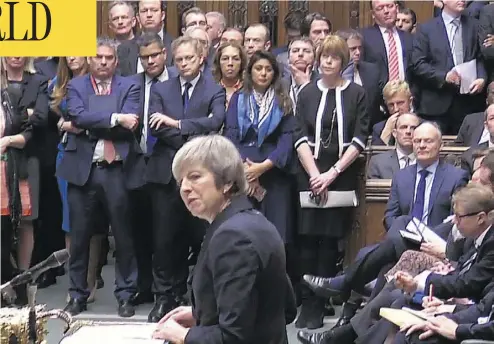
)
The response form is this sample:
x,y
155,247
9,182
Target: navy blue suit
x,y
373,84
92,187
432,59
174,227
446,180
375,50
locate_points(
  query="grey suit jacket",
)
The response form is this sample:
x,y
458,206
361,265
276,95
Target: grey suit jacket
x,y
383,165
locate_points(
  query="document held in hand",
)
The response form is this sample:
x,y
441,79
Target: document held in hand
x,y
336,199
468,74
418,232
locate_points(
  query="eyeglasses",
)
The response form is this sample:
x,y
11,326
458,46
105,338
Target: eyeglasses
x,y
467,215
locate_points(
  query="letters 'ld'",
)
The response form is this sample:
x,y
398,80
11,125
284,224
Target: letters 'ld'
x,y
10,11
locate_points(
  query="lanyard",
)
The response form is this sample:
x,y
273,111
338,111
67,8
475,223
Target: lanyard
x,y
95,87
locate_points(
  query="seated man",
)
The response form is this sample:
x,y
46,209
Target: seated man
x,y
473,131
384,165
424,190
472,275
467,157
398,99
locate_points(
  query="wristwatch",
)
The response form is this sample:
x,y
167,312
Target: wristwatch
x,y
337,169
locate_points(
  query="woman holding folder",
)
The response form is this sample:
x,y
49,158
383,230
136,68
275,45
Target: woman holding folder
x,y
333,127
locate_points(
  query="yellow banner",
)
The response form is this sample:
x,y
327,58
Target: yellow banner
x,y
48,28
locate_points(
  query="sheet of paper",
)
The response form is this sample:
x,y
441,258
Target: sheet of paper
x,y
113,334
418,227
399,317
468,74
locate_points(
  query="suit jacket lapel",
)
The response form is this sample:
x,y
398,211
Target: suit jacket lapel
x,y
465,35
23,101
412,180
436,186
403,48
394,163
444,39
380,41
176,95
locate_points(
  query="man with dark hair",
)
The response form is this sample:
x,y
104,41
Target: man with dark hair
x,y
406,20
256,37
315,26
153,54
151,16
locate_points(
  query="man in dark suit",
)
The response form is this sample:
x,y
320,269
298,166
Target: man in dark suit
x,y
473,131
424,190
486,38
101,164
151,17
385,45
173,122
439,45
467,158
301,57
473,8
386,164
152,53
363,73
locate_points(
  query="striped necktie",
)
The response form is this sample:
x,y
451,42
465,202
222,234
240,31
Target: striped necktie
x,y
393,65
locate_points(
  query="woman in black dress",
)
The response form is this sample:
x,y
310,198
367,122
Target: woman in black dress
x,y
333,127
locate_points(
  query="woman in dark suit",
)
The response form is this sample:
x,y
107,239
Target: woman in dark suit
x,y
239,284
15,131
29,91
334,123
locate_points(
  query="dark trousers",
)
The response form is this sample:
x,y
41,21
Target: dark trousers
x,y
7,272
142,228
105,191
48,234
175,234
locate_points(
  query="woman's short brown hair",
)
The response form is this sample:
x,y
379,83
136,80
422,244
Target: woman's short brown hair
x,y
336,46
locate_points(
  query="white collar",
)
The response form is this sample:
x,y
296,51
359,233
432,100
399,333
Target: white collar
x,y
384,30
481,237
448,18
162,77
431,168
401,154
193,82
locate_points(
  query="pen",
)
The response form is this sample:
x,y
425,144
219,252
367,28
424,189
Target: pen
x,y
431,290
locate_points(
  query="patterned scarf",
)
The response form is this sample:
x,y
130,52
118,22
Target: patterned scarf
x,y
259,111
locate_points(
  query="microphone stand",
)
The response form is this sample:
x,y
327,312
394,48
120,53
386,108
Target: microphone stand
x,y
32,288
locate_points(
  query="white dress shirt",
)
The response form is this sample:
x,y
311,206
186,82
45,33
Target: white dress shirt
x,y
399,49
356,77
402,160
147,92
485,137
450,30
99,150
428,187
193,82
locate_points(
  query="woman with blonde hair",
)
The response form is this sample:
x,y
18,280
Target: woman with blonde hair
x,y
25,114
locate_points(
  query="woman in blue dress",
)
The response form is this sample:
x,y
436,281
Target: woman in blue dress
x,y
68,68
260,122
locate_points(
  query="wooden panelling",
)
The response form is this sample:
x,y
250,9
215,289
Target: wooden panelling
x,y
343,14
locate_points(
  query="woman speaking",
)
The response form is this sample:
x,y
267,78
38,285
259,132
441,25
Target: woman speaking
x,y
239,286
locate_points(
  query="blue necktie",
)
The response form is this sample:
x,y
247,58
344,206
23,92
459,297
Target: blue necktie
x,y
150,140
185,96
418,205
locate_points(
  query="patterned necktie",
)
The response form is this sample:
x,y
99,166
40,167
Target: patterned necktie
x,y
466,265
393,65
406,160
150,139
418,205
185,96
457,42
109,153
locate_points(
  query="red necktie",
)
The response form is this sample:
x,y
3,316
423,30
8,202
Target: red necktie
x,y
109,153
393,65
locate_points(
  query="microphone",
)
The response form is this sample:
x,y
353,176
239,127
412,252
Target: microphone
x,y
54,260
